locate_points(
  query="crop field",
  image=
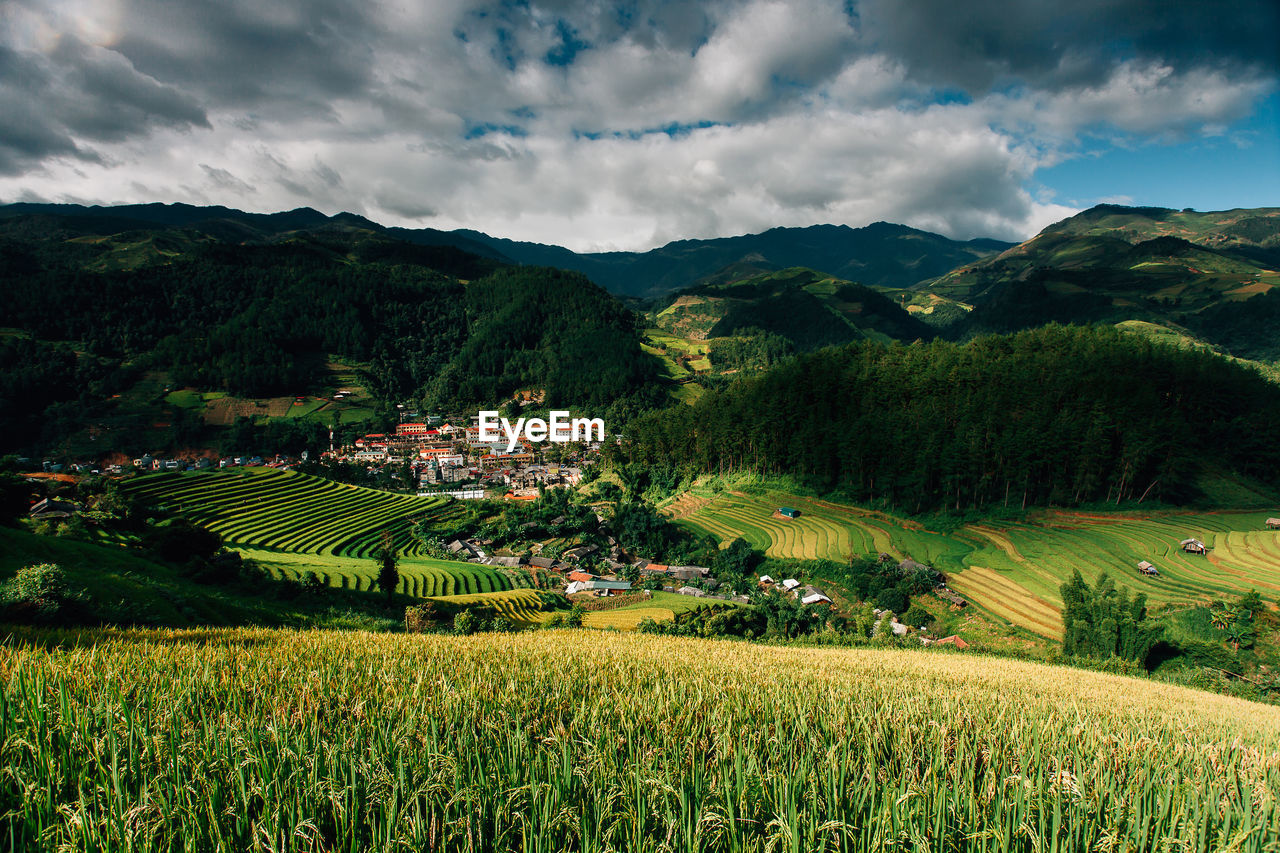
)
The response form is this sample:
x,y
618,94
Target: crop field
x,y
521,606
293,524
310,740
1013,570
661,607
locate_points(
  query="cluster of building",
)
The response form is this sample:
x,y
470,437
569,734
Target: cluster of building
x,y
454,460
806,593
586,569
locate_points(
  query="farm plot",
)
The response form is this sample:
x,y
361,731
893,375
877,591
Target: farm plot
x,y
293,524
819,531
1014,570
522,606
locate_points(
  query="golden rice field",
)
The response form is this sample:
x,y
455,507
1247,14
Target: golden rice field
x,y
318,741
1013,570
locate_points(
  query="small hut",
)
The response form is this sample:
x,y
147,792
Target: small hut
x,y
1193,546
788,512
1149,570
1273,523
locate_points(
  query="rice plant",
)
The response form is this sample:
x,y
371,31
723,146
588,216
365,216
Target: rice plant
x,y
264,740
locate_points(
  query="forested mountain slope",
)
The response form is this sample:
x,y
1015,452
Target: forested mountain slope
x,y
1056,415
262,318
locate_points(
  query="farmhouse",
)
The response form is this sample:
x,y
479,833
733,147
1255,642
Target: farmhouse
x,y
949,595
788,511
953,640
576,554
578,575
790,584
813,595
541,562
1273,523
51,509
1193,546
1147,569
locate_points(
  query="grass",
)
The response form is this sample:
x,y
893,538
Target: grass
x,y
313,740
1012,570
185,398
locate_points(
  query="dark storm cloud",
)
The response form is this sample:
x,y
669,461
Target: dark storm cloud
x,y
978,44
58,102
294,55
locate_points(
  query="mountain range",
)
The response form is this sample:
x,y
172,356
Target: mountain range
x,y
879,255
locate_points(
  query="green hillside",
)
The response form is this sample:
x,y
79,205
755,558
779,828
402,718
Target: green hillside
x,y
127,586
1062,416
293,524
113,314
808,308
1110,264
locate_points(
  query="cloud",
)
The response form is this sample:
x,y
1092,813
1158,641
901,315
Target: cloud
x,y
981,45
622,125
66,100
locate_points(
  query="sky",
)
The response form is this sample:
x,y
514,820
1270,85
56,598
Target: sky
x,y
604,125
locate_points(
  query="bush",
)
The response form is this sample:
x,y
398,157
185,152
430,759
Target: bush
x,y
574,617
40,595
465,623
917,616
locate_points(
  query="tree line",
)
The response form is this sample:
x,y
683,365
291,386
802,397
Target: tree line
x,y
1057,415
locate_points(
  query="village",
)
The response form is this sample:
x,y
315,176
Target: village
x,y
462,462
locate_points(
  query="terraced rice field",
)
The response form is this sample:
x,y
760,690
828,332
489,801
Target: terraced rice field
x,y
1013,570
661,607
521,606
294,524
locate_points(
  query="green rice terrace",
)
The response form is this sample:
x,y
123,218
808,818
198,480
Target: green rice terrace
x,y
1013,570
293,524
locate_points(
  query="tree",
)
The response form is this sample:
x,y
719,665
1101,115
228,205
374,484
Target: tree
x,y
736,561
1103,621
388,566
